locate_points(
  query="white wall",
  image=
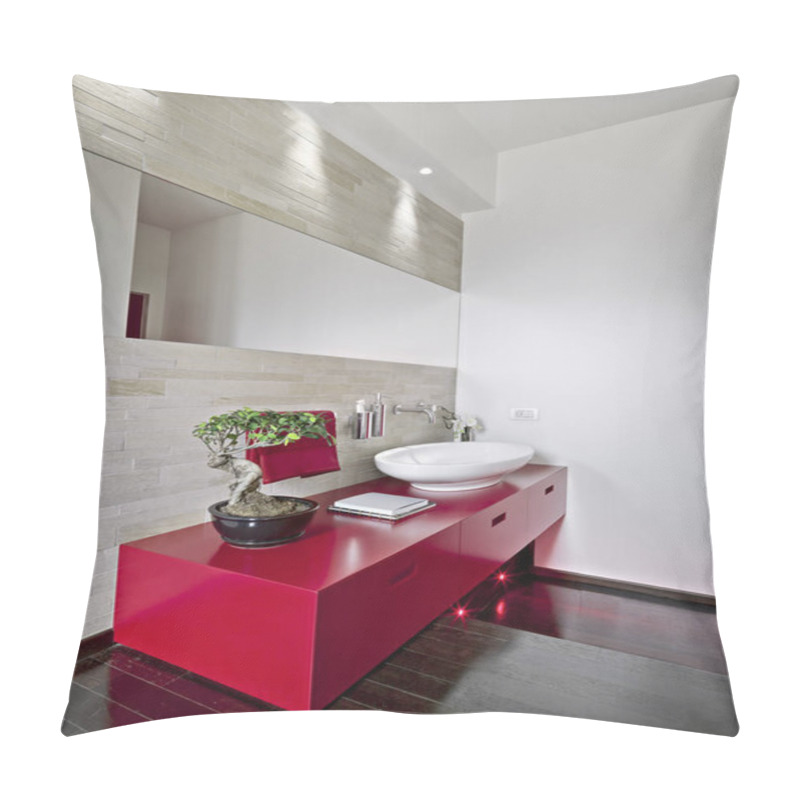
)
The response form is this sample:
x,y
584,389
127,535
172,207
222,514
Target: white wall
x,y
585,296
243,281
114,204
150,265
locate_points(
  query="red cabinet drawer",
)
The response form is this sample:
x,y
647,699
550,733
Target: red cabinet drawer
x,y
491,537
547,503
362,620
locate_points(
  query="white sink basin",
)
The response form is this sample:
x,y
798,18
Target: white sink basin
x,y
453,466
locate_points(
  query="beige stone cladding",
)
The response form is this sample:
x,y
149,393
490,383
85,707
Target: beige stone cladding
x,y
154,474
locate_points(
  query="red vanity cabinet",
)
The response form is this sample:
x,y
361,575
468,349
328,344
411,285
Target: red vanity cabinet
x,y
491,537
362,620
297,624
250,634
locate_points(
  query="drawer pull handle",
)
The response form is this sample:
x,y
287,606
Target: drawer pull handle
x,y
549,489
404,575
498,520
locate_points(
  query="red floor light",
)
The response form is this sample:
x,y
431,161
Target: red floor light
x,y
504,577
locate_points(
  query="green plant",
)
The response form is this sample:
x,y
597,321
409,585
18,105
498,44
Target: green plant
x,y
244,429
226,435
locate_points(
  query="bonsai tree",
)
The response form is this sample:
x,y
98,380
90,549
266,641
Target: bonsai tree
x,y
231,434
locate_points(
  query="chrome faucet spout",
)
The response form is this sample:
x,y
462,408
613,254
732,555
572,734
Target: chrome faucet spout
x,y
448,416
420,408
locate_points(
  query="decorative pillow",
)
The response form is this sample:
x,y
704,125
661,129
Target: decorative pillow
x,y
532,271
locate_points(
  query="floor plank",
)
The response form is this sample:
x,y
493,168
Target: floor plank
x,y
683,633
383,697
89,711
545,675
410,681
533,646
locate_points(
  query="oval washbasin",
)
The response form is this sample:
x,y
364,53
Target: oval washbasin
x,y
453,466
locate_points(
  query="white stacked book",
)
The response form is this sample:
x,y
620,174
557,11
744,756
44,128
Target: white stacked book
x,y
381,506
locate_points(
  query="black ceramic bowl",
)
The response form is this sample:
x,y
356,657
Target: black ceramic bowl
x,y
262,531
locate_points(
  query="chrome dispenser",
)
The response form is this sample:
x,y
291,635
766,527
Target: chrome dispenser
x,y
378,416
362,421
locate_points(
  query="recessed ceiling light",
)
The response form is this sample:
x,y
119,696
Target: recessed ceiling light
x,y
426,171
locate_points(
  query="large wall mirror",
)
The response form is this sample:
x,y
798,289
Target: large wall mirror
x,y
204,272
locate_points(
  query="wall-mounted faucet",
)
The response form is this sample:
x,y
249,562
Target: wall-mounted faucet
x,y
420,408
448,416
463,428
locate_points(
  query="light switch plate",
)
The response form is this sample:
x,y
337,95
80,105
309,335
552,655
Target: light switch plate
x,y
526,414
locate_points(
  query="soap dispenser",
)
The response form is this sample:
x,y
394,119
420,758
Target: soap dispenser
x,y
378,415
362,422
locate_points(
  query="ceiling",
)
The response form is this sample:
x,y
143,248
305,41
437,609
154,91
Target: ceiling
x,y
459,141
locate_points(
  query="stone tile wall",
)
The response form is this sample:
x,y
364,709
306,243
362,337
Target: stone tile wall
x,y
154,476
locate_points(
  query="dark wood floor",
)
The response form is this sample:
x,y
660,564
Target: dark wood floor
x,y
118,686
669,630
